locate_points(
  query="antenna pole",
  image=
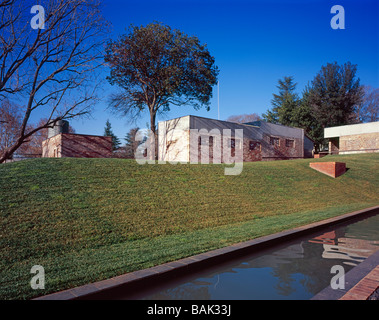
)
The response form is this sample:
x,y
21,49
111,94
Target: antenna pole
x,y
218,99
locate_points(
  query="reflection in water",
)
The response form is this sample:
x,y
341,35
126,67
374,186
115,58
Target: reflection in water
x,y
295,270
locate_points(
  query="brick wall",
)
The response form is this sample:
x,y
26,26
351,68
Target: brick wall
x,y
320,155
77,146
252,150
280,150
332,169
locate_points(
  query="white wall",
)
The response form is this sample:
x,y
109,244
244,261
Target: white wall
x,y
173,140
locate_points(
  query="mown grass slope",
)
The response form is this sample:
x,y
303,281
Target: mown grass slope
x,y
85,220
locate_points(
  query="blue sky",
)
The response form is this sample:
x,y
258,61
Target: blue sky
x,y
254,43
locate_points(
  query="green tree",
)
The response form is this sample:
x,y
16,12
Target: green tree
x,y
284,103
157,67
290,110
244,118
131,143
335,94
108,132
304,118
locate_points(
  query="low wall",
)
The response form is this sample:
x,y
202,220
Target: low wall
x,y
332,169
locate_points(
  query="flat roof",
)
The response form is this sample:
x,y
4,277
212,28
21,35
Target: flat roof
x,y
201,117
352,129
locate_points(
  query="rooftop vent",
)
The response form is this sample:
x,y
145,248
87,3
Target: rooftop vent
x,y
60,126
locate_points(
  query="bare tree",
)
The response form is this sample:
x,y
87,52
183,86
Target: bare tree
x,y
368,109
10,121
52,68
244,118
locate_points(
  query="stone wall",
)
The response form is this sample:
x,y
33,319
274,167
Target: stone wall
x,y
52,147
334,145
179,140
173,138
77,146
360,143
251,150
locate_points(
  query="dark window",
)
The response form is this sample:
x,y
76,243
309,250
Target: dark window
x,y
254,145
232,143
207,140
290,143
274,141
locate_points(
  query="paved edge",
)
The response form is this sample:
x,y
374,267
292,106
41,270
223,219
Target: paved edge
x,y
364,288
360,282
202,259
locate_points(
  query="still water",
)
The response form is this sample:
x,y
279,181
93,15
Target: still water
x,y
298,269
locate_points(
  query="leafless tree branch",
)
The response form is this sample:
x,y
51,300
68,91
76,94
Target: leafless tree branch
x,y
54,68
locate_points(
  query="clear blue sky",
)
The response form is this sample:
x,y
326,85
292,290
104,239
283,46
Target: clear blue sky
x,y
255,43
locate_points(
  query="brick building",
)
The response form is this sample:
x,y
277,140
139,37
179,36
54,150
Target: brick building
x,y
355,138
61,144
183,139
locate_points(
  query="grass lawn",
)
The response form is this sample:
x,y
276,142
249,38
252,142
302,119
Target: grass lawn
x,y
86,220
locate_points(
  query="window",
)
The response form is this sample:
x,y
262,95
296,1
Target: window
x,y
290,143
206,140
274,141
232,143
211,141
254,145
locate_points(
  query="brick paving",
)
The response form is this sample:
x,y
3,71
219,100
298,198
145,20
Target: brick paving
x,y
364,288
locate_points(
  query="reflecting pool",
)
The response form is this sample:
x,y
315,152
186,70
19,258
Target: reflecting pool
x,y
297,269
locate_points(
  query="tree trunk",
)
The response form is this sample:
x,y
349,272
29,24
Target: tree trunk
x,y
7,154
153,130
4,156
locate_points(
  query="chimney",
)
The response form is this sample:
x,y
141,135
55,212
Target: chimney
x,y
60,126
